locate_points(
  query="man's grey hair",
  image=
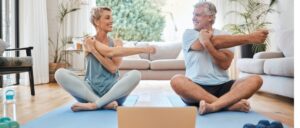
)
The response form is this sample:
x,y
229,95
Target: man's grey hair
x,y
209,9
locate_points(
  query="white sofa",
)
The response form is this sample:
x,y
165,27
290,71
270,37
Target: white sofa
x,y
162,65
275,68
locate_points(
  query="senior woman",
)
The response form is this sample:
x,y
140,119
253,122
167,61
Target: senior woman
x,y
101,88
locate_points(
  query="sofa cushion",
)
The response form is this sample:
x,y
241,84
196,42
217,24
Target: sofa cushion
x,y
280,66
135,64
165,50
268,55
167,64
251,65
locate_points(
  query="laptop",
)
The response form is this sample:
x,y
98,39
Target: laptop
x,y
157,117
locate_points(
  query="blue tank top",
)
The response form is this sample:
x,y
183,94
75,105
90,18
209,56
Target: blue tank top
x,y
97,76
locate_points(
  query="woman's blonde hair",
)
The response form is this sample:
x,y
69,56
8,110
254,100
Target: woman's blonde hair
x,y
96,13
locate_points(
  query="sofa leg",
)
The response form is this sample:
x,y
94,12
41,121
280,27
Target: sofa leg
x,y
31,82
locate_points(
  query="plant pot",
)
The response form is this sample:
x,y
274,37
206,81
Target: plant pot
x,y
246,51
52,69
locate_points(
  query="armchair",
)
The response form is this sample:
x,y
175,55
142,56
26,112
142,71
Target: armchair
x,y
12,65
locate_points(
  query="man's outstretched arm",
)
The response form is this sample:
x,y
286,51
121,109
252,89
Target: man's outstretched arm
x,y
227,41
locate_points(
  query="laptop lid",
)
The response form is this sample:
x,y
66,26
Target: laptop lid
x,y
157,117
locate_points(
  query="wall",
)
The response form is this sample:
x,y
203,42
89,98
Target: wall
x,y
282,21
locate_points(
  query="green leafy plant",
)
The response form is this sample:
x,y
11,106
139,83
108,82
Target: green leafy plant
x,y
61,41
136,20
254,18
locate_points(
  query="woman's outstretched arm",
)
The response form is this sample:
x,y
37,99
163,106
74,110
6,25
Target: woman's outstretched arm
x,y
102,53
117,60
107,51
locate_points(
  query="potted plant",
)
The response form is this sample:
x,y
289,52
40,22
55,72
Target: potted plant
x,y
60,42
254,18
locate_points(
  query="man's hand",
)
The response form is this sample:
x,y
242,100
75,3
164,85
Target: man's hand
x,y
258,37
89,44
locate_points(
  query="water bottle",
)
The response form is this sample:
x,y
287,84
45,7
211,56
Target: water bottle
x,y
9,100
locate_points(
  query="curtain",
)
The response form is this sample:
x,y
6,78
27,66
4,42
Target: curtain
x,y
34,32
223,7
8,30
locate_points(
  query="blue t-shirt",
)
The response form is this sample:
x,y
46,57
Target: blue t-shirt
x,y
199,64
99,78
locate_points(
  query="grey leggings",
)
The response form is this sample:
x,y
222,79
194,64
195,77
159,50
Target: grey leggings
x,y
83,92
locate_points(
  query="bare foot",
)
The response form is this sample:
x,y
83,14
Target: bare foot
x,y
112,105
83,107
258,37
205,108
242,106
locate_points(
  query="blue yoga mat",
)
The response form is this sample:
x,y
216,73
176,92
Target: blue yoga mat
x,y
224,119
64,117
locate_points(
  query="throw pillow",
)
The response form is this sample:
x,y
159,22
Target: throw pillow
x,y
143,55
165,50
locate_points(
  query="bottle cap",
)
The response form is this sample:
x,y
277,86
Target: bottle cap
x,y
9,94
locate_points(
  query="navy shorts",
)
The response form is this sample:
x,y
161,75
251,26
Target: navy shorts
x,y
216,90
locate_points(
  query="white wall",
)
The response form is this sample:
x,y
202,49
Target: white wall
x,y
282,21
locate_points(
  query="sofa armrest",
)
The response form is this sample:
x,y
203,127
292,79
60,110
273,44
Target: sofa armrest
x,y
268,55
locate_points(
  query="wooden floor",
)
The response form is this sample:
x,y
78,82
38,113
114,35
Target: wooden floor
x,y
151,93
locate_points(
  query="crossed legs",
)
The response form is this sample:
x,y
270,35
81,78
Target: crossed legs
x,y
87,99
233,100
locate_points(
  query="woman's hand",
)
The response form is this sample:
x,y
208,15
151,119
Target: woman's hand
x,y
89,44
151,49
118,43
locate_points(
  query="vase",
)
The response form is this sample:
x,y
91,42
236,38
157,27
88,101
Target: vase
x,y
246,51
53,67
